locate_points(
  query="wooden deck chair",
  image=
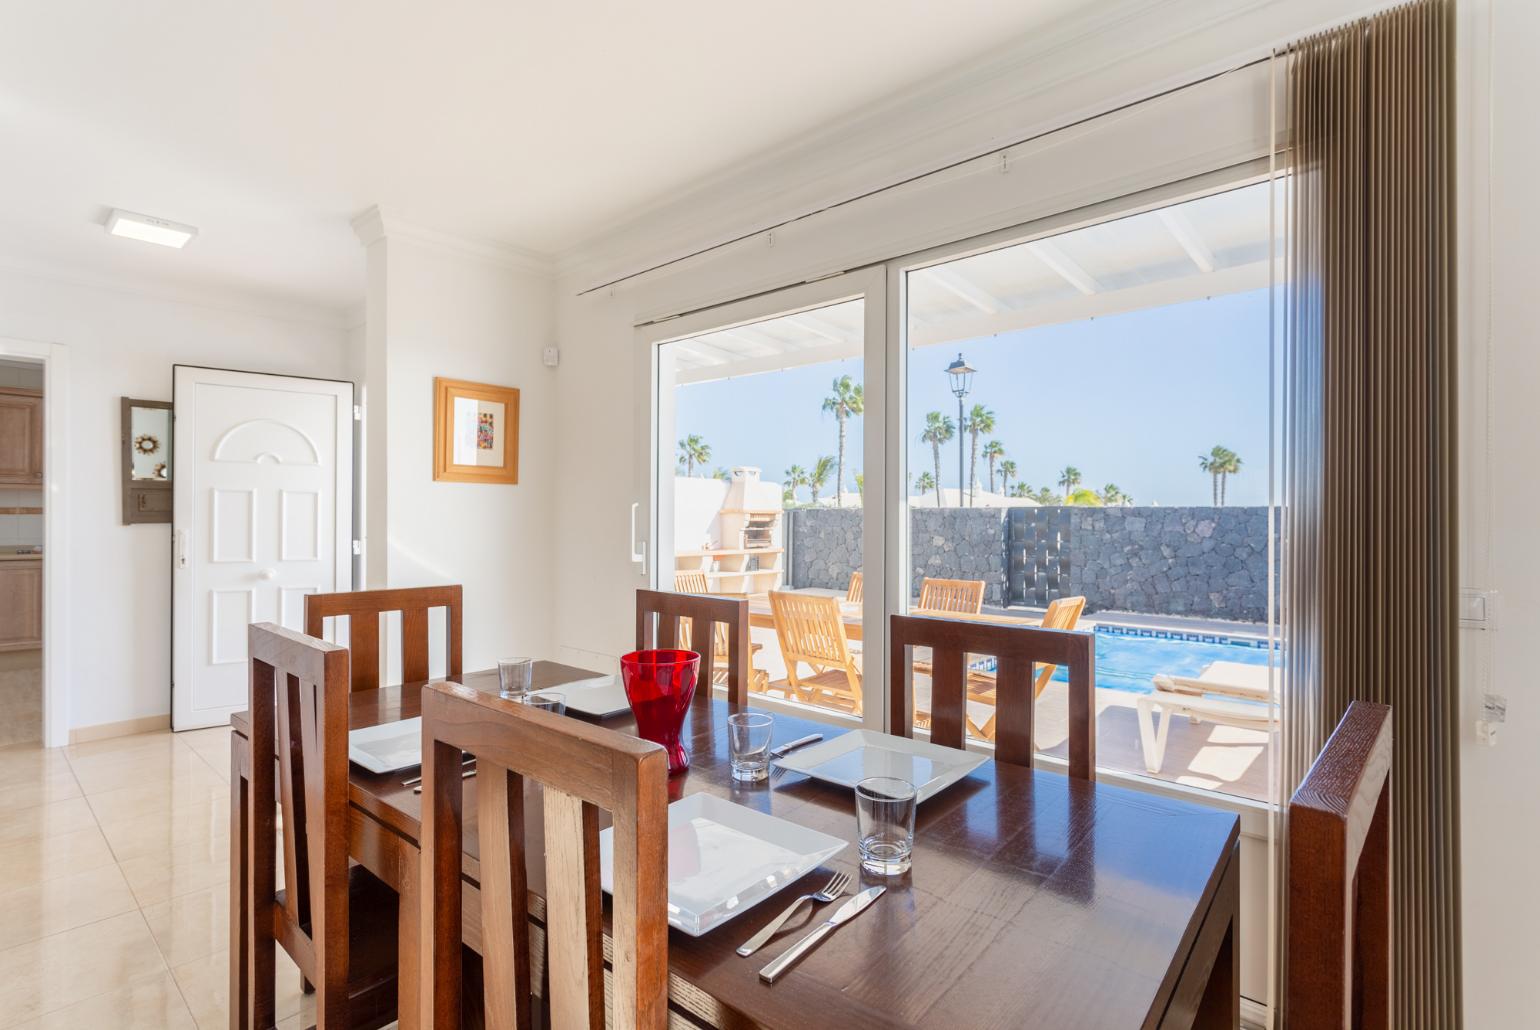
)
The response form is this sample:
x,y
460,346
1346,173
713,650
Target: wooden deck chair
x,y
965,596
853,593
810,630
694,582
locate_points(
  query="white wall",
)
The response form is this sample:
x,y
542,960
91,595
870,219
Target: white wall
x,y
438,311
124,344
1500,319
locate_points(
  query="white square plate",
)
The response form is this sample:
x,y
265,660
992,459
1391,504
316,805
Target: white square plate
x,y
387,747
852,757
724,859
601,696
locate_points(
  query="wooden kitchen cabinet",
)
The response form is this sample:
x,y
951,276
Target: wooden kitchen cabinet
x,y
21,437
21,604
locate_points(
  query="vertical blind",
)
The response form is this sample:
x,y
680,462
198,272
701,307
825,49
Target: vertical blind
x,y
1368,601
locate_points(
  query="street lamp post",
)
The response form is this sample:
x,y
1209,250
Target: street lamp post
x,y
962,381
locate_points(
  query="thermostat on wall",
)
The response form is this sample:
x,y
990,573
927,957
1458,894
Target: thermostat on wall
x,y
551,356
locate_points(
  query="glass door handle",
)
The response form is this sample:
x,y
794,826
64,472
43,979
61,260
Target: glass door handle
x,y
638,547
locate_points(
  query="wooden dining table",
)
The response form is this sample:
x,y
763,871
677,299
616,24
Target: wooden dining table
x,y
1035,900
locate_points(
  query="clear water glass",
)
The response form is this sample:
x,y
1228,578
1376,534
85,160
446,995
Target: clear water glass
x,y
885,824
550,700
514,677
748,745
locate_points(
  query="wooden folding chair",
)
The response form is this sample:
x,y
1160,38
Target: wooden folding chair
x,y
335,920
694,582
1015,649
811,630
854,592
581,769
952,595
669,620
1339,943
363,609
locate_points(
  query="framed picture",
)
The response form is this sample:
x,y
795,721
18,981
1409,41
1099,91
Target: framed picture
x,y
475,432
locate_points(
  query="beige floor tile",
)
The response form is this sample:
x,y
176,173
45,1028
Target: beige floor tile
x,y
193,867
169,830
192,925
205,984
189,787
26,862
109,772
56,972
137,744
39,789
46,820
150,1004
19,764
28,913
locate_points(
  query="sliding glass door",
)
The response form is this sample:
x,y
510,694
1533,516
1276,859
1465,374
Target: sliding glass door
x,y
763,464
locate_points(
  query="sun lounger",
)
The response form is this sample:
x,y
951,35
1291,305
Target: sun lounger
x,y
1224,693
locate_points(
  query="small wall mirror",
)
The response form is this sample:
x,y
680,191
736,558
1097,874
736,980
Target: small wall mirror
x,y
146,461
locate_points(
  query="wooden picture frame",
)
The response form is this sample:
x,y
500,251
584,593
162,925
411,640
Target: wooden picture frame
x,y
469,419
146,452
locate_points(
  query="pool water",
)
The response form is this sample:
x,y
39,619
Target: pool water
x,y
1129,663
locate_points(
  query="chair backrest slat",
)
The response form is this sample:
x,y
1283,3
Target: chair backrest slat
x,y
658,624
581,769
856,591
1062,613
1015,650
363,609
298,704
1339,958
965,596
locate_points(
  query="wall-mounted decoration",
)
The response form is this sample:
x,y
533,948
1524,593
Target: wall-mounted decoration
x,y
146,461
475,432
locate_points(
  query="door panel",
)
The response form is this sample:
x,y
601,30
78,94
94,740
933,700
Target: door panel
x,y
263,513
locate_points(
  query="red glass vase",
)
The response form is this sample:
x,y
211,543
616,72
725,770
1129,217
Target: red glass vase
x,y
659,685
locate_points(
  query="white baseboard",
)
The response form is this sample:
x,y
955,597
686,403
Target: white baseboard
x,y
126,728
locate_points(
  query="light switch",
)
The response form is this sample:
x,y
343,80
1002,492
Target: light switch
x,y
1478,609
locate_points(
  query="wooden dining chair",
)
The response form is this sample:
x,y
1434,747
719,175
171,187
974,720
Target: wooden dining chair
x,y
1015,650
952,595
581,768
335,920
1339,958
853,593
694,582
810,629
667,620
363,609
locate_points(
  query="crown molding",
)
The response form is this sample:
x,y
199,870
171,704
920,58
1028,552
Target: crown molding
x,y
1082,66
212,299
379,223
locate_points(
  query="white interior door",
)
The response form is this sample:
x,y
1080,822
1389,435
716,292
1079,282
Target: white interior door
x,y
262,481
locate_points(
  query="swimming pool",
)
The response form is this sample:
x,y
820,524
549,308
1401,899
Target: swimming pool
x,y
1128,661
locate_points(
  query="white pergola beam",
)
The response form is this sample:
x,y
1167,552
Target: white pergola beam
x,y
960,286
754,344
1066,267
1185,233
818,327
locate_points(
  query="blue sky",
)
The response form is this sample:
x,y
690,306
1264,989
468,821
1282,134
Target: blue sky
x,y
1131,399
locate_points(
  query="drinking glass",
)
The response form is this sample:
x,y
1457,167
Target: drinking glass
x,y
514,677
885,824
659,685
748,745
550,700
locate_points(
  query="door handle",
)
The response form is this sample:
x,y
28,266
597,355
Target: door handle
x,y
268,574
181,549
638,547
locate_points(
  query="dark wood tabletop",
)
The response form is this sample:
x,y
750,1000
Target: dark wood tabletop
x,y
1035,900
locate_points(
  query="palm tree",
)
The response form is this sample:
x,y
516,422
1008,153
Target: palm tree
x,y
938,430
795,476
1047,496
994,450
1007,473
980,420
1069,479
1111,495
823,468
926,483
693,451
1232,467
1217,464
722,474
1021,490
847,399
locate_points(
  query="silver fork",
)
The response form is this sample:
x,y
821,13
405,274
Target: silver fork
x,y
834,889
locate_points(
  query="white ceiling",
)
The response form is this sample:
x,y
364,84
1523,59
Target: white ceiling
x,y
270,125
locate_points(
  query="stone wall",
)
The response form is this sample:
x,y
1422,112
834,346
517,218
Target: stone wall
x,y
1209,562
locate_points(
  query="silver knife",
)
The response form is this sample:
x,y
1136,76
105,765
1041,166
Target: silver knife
x,y
784,749
848,911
